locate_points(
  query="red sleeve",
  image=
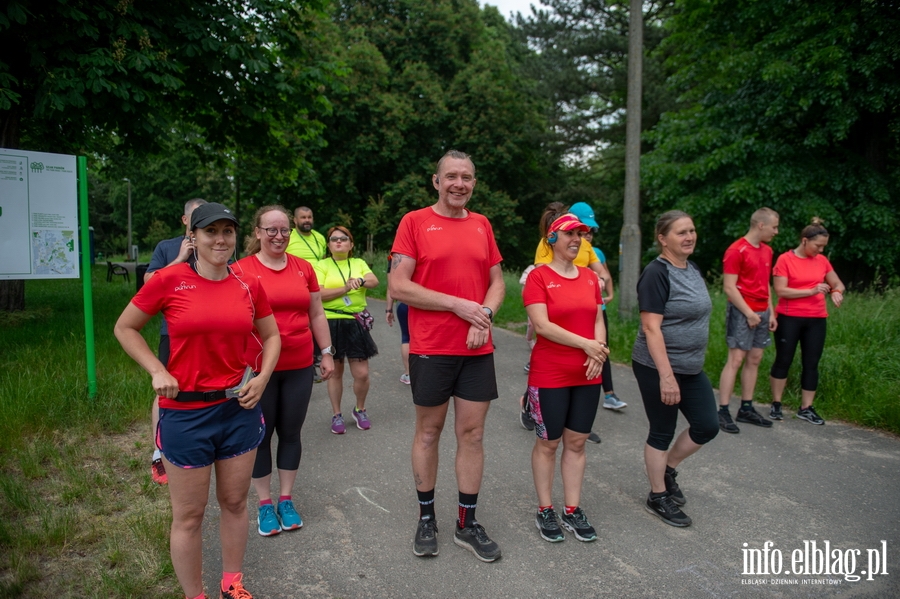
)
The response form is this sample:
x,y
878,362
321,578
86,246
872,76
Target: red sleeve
x,y
404,242
261,307
310,273
151,297
731,263
495,257
534,292
781,269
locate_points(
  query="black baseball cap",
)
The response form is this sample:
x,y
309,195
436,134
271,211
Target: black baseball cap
x,y
205,214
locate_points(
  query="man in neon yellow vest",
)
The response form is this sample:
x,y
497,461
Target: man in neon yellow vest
x,y
306,242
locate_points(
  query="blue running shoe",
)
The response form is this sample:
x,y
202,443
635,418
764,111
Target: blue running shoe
x,y
289,517
267,522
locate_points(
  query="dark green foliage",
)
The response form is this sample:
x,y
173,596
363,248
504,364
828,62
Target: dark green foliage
x,y
792,105
425,76
581,69
74,71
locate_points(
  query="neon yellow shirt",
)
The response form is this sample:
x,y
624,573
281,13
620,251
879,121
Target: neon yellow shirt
x,y
309,247
333,274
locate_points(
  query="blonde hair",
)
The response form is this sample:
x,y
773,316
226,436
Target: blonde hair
x,y
814,229
251,243
763,215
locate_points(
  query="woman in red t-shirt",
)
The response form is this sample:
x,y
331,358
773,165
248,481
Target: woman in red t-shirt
x,y
802,279
294,295
209,412
564,303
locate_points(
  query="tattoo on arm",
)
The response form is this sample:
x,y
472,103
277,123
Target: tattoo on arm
x,y
397,259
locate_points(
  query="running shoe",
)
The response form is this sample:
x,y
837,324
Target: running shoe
x,y
775,413
404,378
236,590
547,522
337,424
425,543
475,539
527,368
672,486
267,522
362,420
751,416
666,510
526,420
594,437
612,402
809,414
726,423
577,523
288,516
158,472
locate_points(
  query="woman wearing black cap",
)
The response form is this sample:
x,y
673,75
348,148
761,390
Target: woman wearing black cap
x,y
208,407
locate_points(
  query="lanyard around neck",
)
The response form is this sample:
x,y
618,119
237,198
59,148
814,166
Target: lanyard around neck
x,y
315,252
349,269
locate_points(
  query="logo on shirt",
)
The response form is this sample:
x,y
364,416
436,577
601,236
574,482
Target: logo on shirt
x,y
434,228
480,231
185,286
553,286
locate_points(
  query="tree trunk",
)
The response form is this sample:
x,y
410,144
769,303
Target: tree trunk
x,y
631,230
12,293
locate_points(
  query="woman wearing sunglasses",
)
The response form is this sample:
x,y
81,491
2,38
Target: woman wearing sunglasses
x,y
344,280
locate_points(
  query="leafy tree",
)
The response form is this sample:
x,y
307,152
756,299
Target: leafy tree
x,y
425,76
73,73
580,63
795,106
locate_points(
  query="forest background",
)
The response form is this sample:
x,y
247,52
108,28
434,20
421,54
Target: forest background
x,y
345,106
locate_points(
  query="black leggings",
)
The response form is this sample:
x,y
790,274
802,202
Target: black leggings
x,y
606,374
284,404
810,332
698,404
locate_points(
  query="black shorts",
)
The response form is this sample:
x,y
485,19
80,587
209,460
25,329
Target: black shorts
x,y
434,379
556,409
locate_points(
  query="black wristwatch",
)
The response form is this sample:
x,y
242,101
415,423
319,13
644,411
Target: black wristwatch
x,y
489,312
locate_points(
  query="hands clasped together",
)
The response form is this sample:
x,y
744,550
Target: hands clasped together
x,y
597,353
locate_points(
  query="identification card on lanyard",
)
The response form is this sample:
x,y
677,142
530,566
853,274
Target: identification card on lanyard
x,y
347,300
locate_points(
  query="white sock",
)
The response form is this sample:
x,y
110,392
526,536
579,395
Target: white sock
x,y
156,455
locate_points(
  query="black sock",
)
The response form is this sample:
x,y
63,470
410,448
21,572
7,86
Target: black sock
x,y
723,409
426,503
747,405
467,504
776,405
658,495
669,470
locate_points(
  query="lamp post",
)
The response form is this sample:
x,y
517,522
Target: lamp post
x,y
129,218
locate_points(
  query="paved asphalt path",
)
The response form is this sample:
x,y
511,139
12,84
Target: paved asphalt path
x,y
794,483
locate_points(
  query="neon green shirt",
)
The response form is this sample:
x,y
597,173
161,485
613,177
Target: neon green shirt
x,y
333,274
309,247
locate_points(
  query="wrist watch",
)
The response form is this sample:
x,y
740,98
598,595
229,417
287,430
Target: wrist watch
x,y
328,350
489,312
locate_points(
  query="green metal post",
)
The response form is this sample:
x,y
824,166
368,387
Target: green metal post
x,y
90,350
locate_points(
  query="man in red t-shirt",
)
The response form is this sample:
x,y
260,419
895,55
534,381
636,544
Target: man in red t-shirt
x,y
446,268
749,317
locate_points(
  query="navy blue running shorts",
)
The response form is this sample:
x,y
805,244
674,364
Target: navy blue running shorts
x,y
197,438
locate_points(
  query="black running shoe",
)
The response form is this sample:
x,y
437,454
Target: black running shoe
x,y
726,423
751,416
809,414
594,437
577,523
526,420
476,540
426,544
673,488
547,522
667,511
775,413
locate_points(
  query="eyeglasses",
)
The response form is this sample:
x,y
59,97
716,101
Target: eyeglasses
x,y
338,239
272,232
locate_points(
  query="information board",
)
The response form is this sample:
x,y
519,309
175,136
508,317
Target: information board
x,y
38,215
